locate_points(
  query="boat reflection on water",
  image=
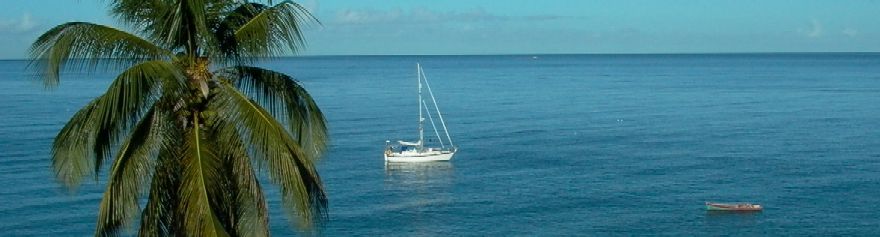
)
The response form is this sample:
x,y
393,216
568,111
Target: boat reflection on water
x,y
419,175
423,183
732,218
418,194
733,214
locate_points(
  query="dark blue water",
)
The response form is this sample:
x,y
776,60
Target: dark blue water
x,y
554,145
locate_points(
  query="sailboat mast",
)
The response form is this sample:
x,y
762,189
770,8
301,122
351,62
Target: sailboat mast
x,y
421,119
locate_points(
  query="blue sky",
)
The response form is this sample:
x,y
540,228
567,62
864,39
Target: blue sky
x,y
382,27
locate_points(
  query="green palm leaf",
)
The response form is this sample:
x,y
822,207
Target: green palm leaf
x,y
287,101
225,31
72,157
275,150
254,30
89,136
139,14
183,26
250,213
201,172
159,217
80,44
132,91
130,173
197,138
274,30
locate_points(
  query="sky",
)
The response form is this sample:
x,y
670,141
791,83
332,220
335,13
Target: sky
x,y
419,27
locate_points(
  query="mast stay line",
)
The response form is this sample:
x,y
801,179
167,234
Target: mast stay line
x,y
431,118
428,85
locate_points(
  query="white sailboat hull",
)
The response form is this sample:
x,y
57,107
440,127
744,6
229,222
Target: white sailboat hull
x,y
411,157
413,152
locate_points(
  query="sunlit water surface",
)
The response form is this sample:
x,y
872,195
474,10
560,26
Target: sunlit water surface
x,y
549,145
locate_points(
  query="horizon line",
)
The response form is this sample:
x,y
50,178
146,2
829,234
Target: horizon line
x,y
545,54
532,54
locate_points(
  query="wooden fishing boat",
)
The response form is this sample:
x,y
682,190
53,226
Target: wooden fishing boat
x,y
710,206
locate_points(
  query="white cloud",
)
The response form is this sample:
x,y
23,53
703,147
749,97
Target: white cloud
x,y
349,16
26,23
850,32
814,31
23,24
311,5
422,15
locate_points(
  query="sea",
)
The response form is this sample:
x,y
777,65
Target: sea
x,y
549,145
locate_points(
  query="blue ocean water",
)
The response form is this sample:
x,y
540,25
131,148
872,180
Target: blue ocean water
x,y
549,145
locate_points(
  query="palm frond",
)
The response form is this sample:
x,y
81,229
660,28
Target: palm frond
x,y
224,32
88,46
139,14
201,173
159,217
126,98
155,17
72,157
275,150
255,30
251,216
131,171
87,139
183,27
287,101
194,155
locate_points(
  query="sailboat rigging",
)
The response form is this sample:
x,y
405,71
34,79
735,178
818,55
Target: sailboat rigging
x,y
417,151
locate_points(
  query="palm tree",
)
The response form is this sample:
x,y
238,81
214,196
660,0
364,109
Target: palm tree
x,y
188,124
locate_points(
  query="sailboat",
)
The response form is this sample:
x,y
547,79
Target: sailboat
x,y
417,151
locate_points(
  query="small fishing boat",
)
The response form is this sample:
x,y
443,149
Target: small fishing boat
x,y
710,206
